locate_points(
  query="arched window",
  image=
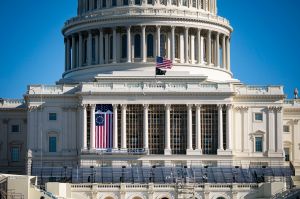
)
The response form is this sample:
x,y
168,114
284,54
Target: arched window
x,y
163,2
220,198
95,4
124,46
87,5
163,45
194,3
204,50
125,2
137,2
137,46
150,50
52,144
202,4
177,45
103,3
110,47
114,3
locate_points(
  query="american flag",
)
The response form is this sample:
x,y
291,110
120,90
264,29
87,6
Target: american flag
x,y
104,126
163,63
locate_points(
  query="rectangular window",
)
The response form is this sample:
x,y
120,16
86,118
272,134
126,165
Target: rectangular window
x,y
52,144
103,3
15,128
52,116
15,154
286,128
258,117
287,154
258,144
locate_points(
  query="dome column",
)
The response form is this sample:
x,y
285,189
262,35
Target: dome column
x,y
192,51
73,51
228,54
128,45
224,52
114,45
101,46
173,44
144,50
199,53
218,50
68,54
80,40
208,46
158,40
90,39
186,45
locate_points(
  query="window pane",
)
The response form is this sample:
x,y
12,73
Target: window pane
x,y
150,46
286,128
114,2
137,46
137,2
52,144
258,144
149,2
15,128
52,116
124,46
15,154
125,2
258,117
287,154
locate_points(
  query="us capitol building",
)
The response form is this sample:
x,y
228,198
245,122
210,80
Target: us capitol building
x,y
112,128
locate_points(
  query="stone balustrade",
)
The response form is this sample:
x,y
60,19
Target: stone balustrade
x,y
258,90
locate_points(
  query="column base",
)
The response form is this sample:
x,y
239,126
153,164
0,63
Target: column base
x,y
222,152
168,152
194,152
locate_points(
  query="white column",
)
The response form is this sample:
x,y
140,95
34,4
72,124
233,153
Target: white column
x,y
189,129
114,45
144,50
220,127
229,127
128,45
192,49
83,126
186,45
90,48
198,129
158,40
245,130
181,49
228,54
218,49
199,52
168,150
145,129
224,51
173,44
271,130
73,51
92,127
279,146
68,54
80,41
123,127
208,50
101,61
115,130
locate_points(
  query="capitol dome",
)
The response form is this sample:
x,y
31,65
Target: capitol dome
x,y
123,37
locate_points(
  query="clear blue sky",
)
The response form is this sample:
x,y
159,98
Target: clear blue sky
x,y
265,42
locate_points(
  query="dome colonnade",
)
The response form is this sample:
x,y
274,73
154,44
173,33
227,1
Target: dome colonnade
x,y
131,44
